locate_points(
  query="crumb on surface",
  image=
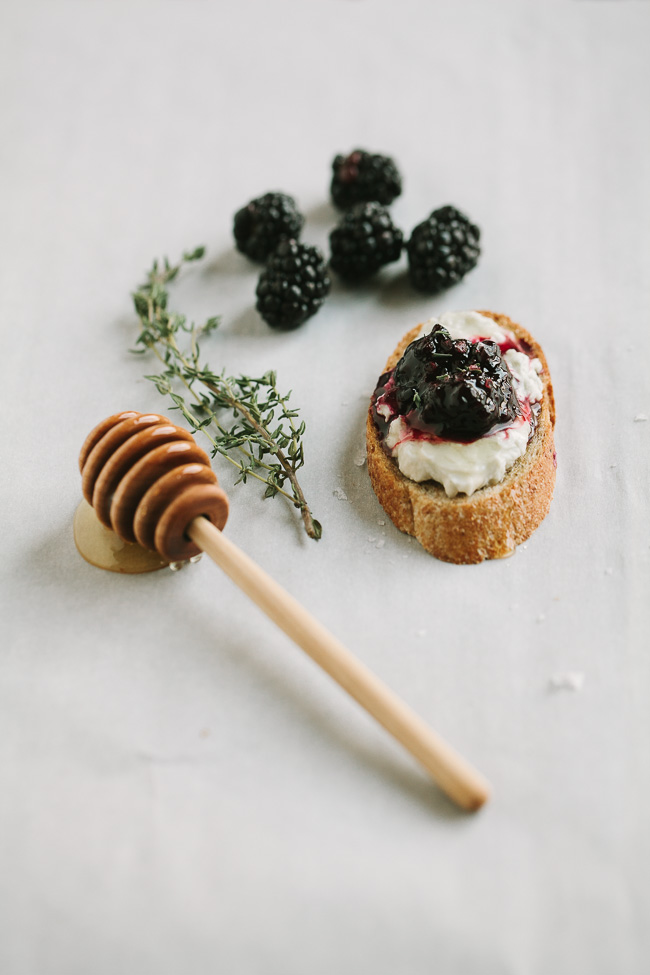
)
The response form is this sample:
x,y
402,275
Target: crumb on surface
x,y
572,680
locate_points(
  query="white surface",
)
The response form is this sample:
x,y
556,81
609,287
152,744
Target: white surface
x,y
180,790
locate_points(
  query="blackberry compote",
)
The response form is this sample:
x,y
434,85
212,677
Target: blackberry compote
x,y
451,389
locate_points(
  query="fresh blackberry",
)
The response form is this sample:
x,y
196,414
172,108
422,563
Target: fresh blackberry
x,y
264,222
442,249
293,285
364,177
364,241
457,390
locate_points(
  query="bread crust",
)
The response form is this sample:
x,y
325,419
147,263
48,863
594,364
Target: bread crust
x,y
490,523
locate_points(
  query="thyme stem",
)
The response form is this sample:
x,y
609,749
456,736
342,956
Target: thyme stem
x,y
217,449
261,439
282,459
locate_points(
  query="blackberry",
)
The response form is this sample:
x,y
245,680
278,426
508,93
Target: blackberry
x,y
364,177
457,390
442,249
364,241
264,222
293,285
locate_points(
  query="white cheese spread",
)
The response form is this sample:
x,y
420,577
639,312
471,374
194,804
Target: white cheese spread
x,y
463,468
467,325
525,372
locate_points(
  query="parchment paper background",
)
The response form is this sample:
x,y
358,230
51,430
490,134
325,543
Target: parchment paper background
x,y
180,789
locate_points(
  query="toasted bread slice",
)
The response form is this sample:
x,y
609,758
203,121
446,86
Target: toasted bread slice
x,y
492,521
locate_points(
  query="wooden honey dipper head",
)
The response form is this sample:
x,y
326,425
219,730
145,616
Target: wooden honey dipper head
x,y
148,480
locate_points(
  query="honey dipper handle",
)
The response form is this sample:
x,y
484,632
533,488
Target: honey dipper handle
x,y
455,776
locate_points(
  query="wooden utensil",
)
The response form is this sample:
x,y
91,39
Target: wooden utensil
x,y
149,481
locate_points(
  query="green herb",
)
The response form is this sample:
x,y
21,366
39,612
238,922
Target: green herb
x,y
263,438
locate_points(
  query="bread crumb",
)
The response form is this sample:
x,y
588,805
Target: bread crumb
x,y
204,733
540,618
380,543
573,680
372,538
380,521
640,418
360,457
340,494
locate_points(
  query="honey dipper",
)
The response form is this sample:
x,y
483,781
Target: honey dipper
x,y
149,481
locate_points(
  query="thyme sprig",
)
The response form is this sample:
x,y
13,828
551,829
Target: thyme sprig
x,y
263,439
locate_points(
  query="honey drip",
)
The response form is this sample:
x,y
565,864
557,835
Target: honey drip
x,y
103,548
